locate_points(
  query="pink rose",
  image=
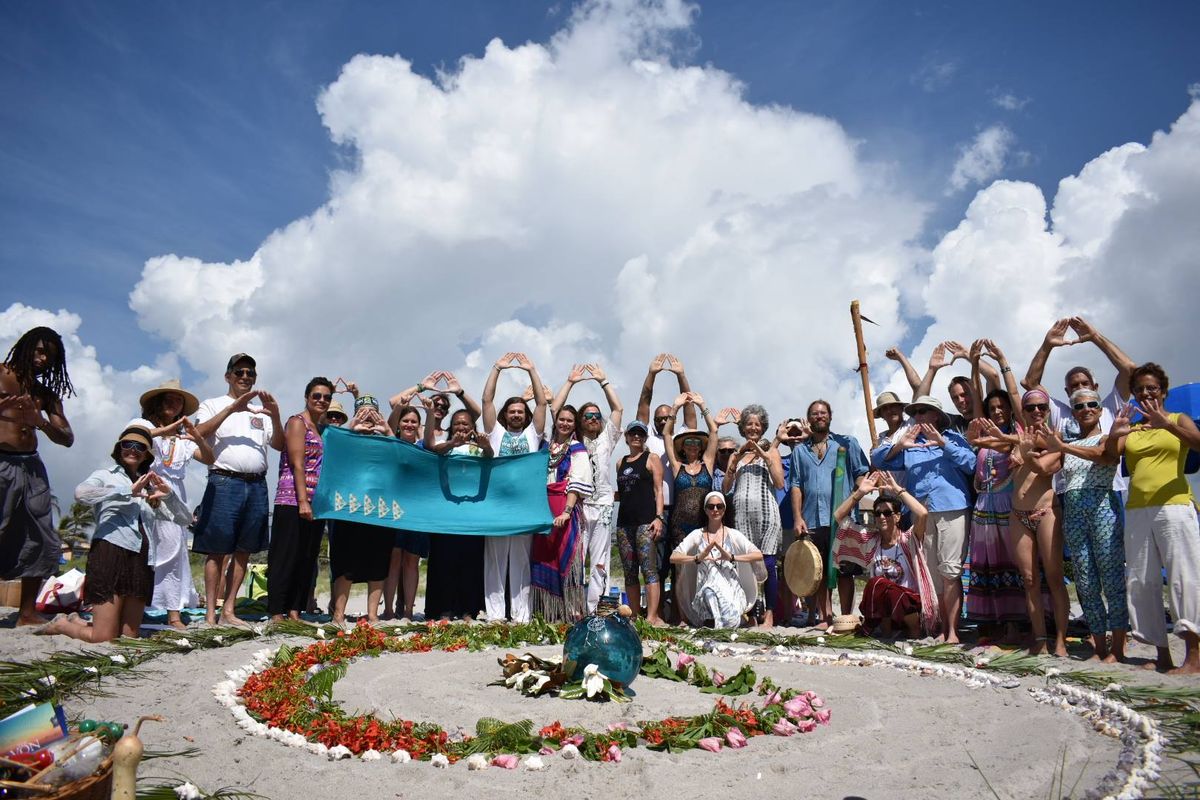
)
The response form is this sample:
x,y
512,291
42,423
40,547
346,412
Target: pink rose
x,y
772,698
823,716
614,753
717,678
508,761
735,738
576,740
618,726
806,725
712,744
784,728
683,660
814,699
546,751
798,707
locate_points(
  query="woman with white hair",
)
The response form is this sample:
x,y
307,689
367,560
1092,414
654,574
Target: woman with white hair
x,y
754,473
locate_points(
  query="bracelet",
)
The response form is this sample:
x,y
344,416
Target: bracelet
x,y
604,383
1004,370
704,411
460,393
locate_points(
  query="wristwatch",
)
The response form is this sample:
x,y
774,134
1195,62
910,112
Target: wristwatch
x,y
661,518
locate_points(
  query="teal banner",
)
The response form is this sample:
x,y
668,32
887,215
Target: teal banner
x,y
379,480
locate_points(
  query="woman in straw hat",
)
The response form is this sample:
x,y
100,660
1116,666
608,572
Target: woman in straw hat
x,y
692,455
166,411
128,499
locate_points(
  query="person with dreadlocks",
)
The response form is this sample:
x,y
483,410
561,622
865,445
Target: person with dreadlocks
x,y
33,383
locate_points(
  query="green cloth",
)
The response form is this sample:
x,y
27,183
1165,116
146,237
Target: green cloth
x,y
839,497
379,480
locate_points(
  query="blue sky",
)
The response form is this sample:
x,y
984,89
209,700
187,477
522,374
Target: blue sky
x,y
137,129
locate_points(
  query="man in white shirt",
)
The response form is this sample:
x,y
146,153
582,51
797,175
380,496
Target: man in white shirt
x,y
600,437
512,431
234,511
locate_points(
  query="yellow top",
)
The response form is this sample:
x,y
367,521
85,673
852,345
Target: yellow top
x,y
1155,459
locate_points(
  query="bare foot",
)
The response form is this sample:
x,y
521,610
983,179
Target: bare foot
x,y
1185,668
178,625
53,627
234,621
952,638
1038,648
35,618
656,622
210,619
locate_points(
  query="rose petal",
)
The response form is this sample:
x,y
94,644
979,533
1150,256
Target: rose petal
x,y
508,761
735,738
711,743
784,728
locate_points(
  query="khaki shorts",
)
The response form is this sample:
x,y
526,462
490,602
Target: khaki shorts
x,y
946,545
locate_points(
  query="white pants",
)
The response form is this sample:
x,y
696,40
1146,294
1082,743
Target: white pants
x,y
1157,537
597,541
507,555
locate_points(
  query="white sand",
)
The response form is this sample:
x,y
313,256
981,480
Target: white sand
x,y
891,733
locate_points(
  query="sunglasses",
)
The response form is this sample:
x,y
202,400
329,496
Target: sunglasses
x,y
244,373
1086,404
337,419
727,451
885,513
636,434
592,415
136,447
663,418
714,507
692,442
443,406
320,397
1147,390
1043,407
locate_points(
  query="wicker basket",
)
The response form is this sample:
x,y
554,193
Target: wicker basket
x,y
97,786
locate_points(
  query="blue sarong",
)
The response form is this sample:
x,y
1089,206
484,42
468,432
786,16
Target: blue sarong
x,y
383,481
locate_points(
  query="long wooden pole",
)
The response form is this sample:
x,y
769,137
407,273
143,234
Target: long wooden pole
x,y
862,367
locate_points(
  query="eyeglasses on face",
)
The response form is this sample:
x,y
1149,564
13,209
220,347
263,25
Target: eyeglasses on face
x,y
1086,404
1042,407
320,397
244,372
1148,388
136,447
715,507
692,442
885,512
592,415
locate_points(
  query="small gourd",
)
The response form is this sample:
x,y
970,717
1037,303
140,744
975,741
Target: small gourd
x,y
126,754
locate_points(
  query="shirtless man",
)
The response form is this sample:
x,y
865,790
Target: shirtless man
x,y
33,383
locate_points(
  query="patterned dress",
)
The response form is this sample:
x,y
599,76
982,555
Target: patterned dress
x,y
996,593
688,513
1093,525
755,510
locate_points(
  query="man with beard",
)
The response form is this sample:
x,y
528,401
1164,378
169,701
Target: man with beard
x,y
234,511
33,383
813,462
511,431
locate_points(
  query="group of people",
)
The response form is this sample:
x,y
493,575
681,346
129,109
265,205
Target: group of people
x,y
702,520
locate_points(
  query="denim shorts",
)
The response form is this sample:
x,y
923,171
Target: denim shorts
x,y
233,517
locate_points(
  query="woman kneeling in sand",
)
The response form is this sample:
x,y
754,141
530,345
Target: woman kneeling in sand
x,y
899,591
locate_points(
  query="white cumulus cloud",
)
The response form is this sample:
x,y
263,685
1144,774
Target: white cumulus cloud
x,y
982,159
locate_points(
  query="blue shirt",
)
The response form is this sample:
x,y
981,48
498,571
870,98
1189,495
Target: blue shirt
x,y
938,477
814,476
121,518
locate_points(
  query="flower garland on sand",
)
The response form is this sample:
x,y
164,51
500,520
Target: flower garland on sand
x,y
287,695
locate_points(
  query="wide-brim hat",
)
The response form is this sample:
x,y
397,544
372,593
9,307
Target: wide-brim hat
x,y
803,567
886,399
336,408
844,623
925,401
135,433
190,403
677,440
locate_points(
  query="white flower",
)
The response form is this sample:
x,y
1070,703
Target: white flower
x,y
541,680
118,659
187,791
183,643
49,680
320,633
401,757
820,640
733,637
907,649
518,679
91,670
1113,687
535,764
569,751
338,751
372,755
440,761
593,680
1050,673
477,761
219,639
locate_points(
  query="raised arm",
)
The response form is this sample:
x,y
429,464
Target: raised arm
x,y
488,401
1116,356
540,401
910,374
455,388
207,428
270,406
1182,428
204,452
668,434
689,411
1055,337
710,451
868,484
937,359
610,394
560,399
917,511
977,395
647,395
